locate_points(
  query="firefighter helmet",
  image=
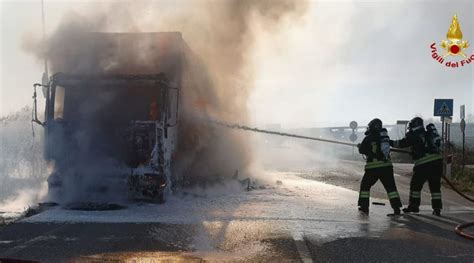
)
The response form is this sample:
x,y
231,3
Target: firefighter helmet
x,y
431,127
375,125
415,123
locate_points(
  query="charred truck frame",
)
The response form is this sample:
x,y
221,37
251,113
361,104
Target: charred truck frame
x,y
129,119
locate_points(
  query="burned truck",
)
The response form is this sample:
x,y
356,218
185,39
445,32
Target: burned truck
x,y
113,123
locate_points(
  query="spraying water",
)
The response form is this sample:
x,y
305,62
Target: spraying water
x,y
257,130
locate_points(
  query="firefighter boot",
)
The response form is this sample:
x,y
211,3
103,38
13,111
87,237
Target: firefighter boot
x,y
364,210
437,212
411,209
396,212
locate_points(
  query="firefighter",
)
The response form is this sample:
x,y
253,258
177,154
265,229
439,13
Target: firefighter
x,y
376,148
425,149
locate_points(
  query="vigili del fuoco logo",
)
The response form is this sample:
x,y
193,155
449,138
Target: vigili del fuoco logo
x,y
453,47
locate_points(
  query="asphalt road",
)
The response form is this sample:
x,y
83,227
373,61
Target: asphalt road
x,y
309,215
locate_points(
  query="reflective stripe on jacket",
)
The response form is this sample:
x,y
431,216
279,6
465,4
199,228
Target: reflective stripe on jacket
x,y
428,158
378,164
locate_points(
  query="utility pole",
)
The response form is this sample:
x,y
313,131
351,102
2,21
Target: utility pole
x,y
353,137
45,78
462,125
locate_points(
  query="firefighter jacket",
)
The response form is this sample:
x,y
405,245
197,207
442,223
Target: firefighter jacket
x,y
377,149
420,147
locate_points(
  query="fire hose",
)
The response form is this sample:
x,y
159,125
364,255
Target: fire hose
x,y
247,128
459,229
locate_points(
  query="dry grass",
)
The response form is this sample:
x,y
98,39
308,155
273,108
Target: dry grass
x,y
463,175
463,178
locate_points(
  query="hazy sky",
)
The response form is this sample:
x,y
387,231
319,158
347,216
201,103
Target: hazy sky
x,y
343,61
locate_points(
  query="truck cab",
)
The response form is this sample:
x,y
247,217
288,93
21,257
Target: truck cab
x,y
112,132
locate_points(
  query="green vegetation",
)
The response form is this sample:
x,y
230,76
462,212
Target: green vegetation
x,y
463,172
463,178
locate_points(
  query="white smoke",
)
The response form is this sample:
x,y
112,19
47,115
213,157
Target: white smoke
x,y
23,170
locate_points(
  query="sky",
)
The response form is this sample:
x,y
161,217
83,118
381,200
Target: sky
x,y
342,61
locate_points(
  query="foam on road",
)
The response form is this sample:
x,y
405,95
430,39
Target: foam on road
x,y
298,206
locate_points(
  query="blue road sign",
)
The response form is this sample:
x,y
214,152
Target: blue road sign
x,y
443,107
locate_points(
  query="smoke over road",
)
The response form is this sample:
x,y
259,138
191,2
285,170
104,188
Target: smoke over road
x,y
22,167
217,80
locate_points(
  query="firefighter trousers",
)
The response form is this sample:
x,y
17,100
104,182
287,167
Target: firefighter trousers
x,y
430,172
385,175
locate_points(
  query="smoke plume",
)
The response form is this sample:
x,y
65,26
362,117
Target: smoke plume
x,y
217,73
